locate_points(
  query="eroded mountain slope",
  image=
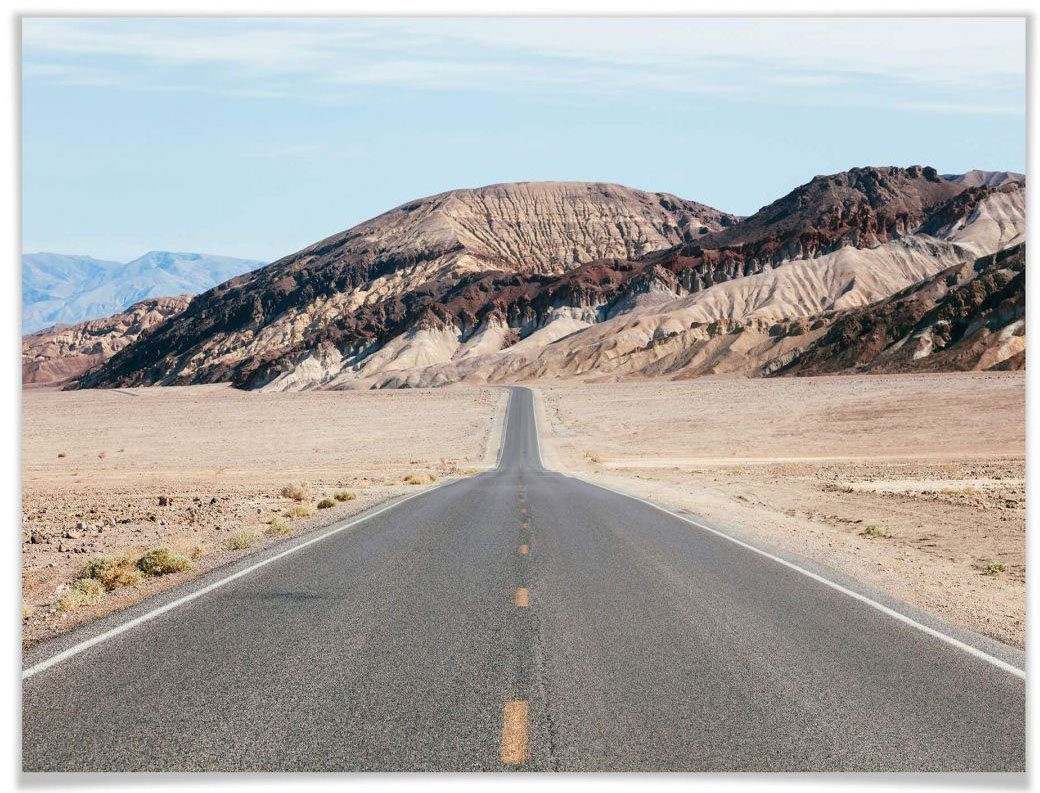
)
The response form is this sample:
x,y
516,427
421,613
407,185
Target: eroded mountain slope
x,y
62,353
357,290
494,285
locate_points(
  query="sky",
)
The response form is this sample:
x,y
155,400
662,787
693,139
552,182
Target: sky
x,y
257,137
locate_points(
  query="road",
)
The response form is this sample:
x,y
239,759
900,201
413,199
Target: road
x,y
522,619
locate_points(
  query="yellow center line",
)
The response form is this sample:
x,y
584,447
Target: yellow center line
x,y
521,598
514,732
523,550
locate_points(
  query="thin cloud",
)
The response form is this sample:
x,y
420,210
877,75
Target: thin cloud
x,y
873,62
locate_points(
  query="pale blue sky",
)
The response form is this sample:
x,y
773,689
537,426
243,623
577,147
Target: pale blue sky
x,y
257,137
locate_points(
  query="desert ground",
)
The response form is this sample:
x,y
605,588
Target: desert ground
x,y
201,470
914,484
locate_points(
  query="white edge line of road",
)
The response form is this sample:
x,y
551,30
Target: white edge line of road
x,y
76,649
950,640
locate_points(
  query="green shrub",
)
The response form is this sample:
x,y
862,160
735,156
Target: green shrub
x,y
996,567
83,592
326,503
875,530
90,587
162,561
344,495
114,572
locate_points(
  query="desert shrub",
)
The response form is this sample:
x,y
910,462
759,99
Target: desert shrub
x,y
433,477
71,599
241,540
279,528
62,454
326,503
90,587
344,495
198,551
114,572
162,561
27,611
82,593
413,479
296,492
875,530
300,511
995,567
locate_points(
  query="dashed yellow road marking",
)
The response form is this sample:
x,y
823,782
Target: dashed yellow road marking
x,y
514,732
523,550
521,598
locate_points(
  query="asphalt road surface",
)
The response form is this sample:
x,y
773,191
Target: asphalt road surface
x,y
521,619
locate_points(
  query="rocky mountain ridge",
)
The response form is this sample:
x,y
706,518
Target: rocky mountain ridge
x,y
509,282
61,353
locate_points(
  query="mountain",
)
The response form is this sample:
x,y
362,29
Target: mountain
x,y
985,178
532,280
69,289
967,317
353,291
61,353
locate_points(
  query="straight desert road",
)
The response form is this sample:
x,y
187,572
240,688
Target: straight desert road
x,y
523,619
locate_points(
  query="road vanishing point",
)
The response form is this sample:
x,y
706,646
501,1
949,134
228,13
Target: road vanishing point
x,y
520,619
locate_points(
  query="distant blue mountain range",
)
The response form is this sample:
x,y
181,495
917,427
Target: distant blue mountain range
x,y
67,289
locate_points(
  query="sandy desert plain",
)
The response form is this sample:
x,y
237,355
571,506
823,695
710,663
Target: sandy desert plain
x,y
913,484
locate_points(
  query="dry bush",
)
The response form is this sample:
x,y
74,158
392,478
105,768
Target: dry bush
x,y
344,495
83,592
114,572
163,561
413,479
300,511
198,551
326,503
875,530
27,611
241,540
297,492
279,528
